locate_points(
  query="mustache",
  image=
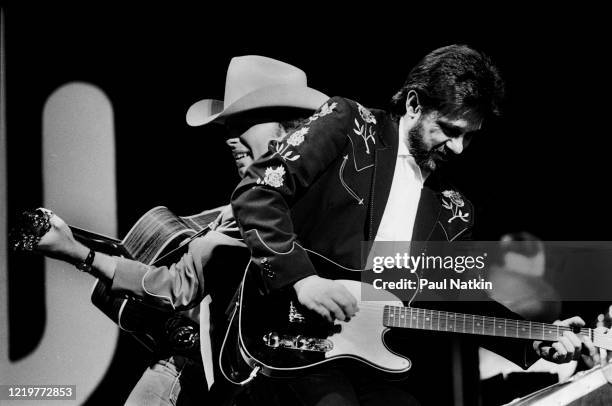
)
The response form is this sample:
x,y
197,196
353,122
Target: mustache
x,y
441,150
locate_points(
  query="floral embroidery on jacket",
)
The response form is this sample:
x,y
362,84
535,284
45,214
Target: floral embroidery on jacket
x,y
294,139
297,137
366,114
274,177
365,131
454,204
323,111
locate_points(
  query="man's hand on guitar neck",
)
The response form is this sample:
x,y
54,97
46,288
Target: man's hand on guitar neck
x,y
595,356
59,243
326,297
570,346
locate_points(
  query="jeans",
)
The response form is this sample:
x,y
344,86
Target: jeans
x,y
172,381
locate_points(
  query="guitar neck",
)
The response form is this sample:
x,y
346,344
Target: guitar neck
x,y
436,320
99,242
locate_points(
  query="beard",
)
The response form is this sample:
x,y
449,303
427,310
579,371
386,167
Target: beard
x,y
424,157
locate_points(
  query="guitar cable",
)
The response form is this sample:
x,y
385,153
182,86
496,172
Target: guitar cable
x,y
255,370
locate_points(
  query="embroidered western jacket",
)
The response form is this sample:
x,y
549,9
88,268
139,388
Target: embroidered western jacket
x,y
324,187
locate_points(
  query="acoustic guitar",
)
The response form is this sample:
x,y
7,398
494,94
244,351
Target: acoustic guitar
x,y
159,237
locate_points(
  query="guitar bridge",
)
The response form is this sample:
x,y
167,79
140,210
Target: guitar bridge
x,y
299,342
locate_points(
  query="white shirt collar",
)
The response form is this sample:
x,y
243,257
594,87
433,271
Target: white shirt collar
x,y
402,148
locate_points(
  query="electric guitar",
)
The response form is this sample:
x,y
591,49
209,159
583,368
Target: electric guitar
x,y
276,336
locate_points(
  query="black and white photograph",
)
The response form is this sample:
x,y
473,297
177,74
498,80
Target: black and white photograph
x,y
305,204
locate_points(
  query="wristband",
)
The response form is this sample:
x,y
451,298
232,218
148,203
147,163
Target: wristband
x,y
86,265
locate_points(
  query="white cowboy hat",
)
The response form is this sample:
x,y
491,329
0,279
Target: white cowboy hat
x,y
254,82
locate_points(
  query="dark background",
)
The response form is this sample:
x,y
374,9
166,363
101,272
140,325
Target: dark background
x,y
543,168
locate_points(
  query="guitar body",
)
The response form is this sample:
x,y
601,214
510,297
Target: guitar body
x,y
157,238
284,339
158,330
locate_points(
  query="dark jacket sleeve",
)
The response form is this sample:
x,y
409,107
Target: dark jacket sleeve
x,y
262,201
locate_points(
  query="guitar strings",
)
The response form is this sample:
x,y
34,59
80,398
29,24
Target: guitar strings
x,y
445,315
434,316
437,315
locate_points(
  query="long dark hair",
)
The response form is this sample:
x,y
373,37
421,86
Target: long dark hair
x,y
454,79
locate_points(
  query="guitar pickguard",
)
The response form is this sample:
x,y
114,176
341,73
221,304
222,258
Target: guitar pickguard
x,y
283,338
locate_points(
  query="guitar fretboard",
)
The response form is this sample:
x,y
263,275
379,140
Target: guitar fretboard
x,y
436,320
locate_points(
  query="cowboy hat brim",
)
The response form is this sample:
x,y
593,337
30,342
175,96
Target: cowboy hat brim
x,y
208,110
204,111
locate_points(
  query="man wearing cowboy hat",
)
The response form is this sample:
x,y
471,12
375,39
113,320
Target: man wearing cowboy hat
x,y
264,99
351,174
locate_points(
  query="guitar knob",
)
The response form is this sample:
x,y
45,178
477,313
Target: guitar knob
x,y
302,343
272,340
185,337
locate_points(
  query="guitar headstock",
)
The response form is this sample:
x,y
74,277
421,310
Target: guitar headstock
x,y
30,228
